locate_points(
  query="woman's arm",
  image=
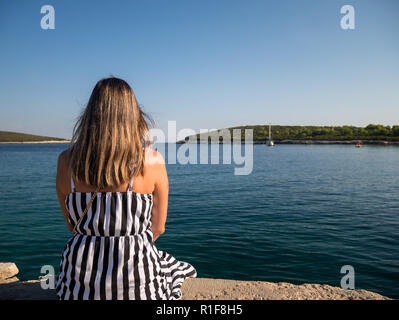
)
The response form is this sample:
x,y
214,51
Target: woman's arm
x,y
160,195
60,185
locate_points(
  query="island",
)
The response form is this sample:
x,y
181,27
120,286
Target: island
x,y
371,134
17,137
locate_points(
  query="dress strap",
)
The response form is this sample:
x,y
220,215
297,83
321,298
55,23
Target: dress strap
x,y
130,186
72,185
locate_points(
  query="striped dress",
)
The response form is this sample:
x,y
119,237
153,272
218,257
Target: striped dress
x,y
112,254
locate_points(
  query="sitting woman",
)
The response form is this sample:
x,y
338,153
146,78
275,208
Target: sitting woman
x,y
113,191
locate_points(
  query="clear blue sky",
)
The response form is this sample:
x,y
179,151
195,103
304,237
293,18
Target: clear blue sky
x,y
204,64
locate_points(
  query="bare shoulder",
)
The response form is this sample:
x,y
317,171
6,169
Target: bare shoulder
x,y
153,157
64,156
63,172
63,160
155,169
155,165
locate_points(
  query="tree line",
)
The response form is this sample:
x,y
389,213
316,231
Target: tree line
x,y
370,132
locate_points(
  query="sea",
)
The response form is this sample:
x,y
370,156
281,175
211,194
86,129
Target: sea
x,y
303,213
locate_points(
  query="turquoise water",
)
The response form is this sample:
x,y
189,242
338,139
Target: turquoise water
x,y
303,213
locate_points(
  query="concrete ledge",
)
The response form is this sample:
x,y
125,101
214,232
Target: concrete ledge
x,y
215,289
200,289
220,289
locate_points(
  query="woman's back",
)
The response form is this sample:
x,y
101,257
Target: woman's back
x,y
112,255
111,214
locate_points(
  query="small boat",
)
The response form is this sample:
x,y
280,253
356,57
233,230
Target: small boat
x,y
358,145
270,142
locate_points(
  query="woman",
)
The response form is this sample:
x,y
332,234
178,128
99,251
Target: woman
x,y
111,254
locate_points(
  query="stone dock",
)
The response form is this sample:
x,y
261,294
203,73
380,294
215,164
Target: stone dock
x,y
11,288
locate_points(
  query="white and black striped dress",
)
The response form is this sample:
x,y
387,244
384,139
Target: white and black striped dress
x,y
112,255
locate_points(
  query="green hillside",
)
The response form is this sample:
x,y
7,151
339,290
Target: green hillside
x,y
328,133
8,136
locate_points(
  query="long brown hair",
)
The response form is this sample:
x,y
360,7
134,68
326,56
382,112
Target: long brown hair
x,y
110,136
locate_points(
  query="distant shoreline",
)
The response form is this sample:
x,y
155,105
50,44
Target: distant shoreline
x,y
373,142
345,142
32,142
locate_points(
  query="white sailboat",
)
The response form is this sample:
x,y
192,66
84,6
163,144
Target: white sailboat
x,y
270,142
